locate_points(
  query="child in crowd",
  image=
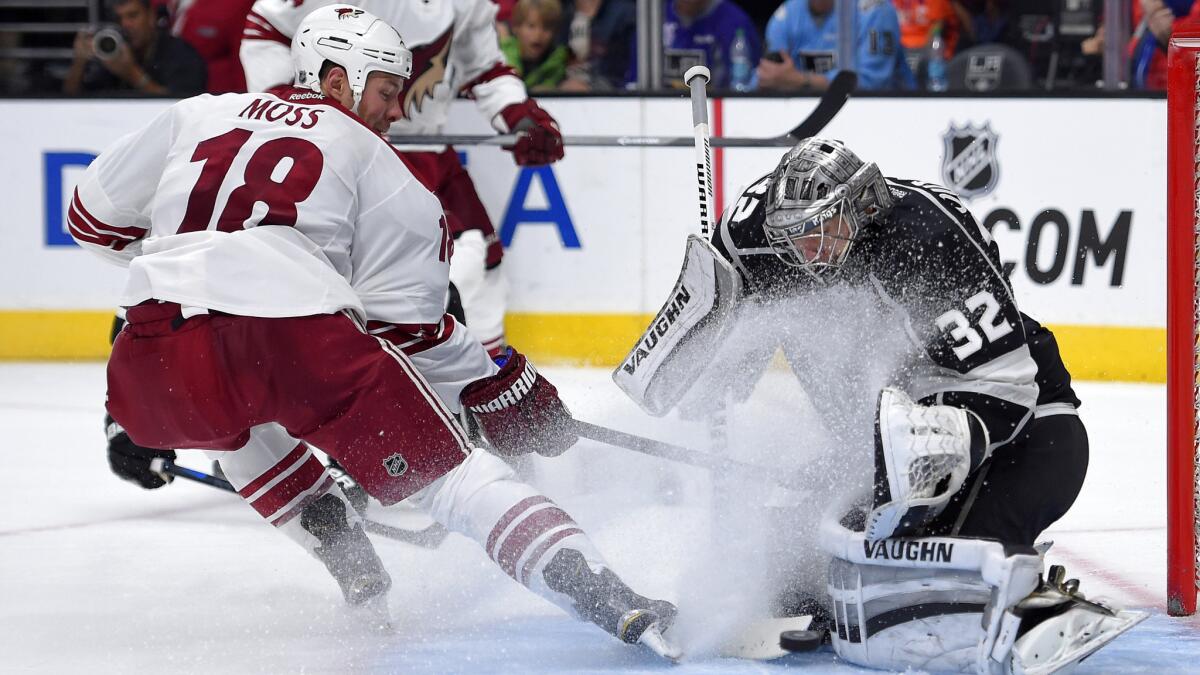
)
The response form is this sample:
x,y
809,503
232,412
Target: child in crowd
x,y
531,49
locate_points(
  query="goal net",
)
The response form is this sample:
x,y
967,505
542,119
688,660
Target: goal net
x,y
1183,315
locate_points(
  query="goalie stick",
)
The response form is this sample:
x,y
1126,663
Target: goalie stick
x,y
429,537
678,453
831,101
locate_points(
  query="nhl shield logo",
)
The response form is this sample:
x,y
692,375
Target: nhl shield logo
x,y
395,465
969,165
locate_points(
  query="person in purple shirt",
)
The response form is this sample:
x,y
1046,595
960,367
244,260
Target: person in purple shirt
x,y
706,30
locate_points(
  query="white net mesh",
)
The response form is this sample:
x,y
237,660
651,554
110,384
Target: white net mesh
x,y
926,473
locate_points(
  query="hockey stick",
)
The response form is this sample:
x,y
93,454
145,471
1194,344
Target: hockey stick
x,y
430,537
678,453
697,78
830,103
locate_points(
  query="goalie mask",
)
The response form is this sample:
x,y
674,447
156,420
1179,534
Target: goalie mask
x,y
819,198
349,37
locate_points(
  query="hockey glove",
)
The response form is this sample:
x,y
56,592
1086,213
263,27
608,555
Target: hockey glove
x,y
538,139
520,410
131,461
923,454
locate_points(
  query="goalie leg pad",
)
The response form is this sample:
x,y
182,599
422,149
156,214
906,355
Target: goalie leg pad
x,y
920,602
923,455
937,603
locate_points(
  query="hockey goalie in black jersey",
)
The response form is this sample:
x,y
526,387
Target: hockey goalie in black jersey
x,y
977,443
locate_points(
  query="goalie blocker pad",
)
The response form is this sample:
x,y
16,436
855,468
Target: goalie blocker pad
x,y
673,351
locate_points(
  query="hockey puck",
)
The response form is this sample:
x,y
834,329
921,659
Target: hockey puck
x,y
801,640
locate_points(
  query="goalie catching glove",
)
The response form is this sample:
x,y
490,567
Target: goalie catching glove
x,y
520,410
923,454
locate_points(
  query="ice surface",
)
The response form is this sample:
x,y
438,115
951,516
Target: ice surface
x,y
98,576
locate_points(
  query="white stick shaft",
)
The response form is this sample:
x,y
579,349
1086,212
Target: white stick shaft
x,y
697,78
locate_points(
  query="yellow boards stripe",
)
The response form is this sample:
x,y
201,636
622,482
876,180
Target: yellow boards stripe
x,y
1091,352
50,335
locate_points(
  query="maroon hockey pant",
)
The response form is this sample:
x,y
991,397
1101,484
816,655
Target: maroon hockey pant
x,y
205,381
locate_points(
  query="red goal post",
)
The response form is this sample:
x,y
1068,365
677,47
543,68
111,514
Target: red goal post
x,y
1183,312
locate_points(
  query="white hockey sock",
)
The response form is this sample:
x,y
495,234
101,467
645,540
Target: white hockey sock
x,y
519,528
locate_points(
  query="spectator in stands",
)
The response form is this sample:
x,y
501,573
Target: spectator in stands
x,y
802,47
148,60
531,49
600,35
918,18
504,10
705,30
981,21
214,29
1156,20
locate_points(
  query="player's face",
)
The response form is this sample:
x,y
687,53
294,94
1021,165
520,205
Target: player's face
x,y
379,106
826,243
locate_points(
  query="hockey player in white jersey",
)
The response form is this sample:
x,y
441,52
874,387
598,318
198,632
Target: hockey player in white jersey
x,y
977,443
259,231
455,50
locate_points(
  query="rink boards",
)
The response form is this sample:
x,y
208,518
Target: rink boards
x,y
1072,190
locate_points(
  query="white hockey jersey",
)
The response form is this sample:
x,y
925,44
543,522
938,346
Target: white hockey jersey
x,y
272,204
454,45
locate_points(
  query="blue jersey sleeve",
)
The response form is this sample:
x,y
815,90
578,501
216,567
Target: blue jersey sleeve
x,y
778,33
878,46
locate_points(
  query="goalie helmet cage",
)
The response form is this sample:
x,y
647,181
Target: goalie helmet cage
x,y
1183,314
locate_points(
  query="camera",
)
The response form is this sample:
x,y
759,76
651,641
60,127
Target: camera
x,y
107,42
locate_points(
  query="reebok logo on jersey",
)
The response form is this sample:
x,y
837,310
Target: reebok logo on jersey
x,y
512,395
662,324
909,549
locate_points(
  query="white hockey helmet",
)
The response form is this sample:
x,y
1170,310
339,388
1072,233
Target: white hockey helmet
x,y
352,38
820,196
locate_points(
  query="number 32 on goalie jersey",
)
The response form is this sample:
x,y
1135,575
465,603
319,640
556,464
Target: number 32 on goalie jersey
x,y
969,337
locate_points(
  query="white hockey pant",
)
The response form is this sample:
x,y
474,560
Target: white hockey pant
x,y
484,292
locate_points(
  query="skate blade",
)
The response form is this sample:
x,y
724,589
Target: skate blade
x,y
653,638
373,616
760,640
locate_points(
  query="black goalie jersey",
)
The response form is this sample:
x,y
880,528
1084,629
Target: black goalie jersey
x,y
930,261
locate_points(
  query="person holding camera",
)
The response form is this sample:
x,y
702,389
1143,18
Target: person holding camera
x,y
136,55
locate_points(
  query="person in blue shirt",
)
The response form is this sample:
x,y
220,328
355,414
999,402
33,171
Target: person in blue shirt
x,y
803,33
706,29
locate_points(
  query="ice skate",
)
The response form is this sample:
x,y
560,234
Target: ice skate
x,y
348,555
605,600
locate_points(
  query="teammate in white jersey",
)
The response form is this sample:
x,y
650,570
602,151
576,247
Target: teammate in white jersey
x,y
259,229
455,50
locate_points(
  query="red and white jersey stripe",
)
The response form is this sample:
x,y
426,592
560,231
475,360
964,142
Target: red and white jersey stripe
x,y
283,490
526,533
